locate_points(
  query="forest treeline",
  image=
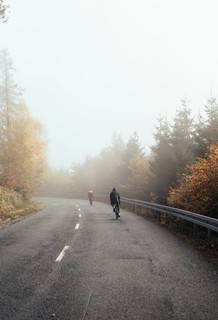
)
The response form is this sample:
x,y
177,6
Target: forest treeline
x,y
23,160
181,169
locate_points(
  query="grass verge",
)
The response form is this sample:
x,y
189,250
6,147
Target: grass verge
x,y
14,206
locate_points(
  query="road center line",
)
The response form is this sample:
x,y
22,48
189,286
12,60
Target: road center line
x,y
77,226
80,215
59,258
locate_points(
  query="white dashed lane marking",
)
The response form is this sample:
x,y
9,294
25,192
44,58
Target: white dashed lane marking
x,y
77,226
59,258
61,255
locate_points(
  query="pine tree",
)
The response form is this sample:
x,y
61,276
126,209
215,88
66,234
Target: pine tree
x,y
161,163
206,131
182,138
133,150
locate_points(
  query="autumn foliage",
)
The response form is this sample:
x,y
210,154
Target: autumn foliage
x,y
198,186
23,156
23,160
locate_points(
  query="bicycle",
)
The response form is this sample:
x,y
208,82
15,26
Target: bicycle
x,y
116,210
90,196
91,201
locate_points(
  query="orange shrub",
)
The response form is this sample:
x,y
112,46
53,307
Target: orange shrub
x,y
197,190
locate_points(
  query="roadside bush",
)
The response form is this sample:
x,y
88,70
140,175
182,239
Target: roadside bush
x,y
13,205
198,187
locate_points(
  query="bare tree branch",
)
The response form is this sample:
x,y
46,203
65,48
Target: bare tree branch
x,y
4,11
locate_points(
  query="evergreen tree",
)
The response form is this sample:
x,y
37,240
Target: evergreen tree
x,y
181,139
161,163
133,150
138,178
206,131
211,126
101,173
117,146
171,153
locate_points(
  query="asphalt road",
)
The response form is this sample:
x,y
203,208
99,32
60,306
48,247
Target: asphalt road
x,y
74,261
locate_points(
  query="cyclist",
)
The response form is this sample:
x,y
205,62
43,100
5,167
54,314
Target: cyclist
x,y
115,199
90,196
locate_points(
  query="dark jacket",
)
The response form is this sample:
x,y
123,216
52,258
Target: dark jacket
x,y
114,197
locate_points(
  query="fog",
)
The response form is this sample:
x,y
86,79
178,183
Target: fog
x,y
92,68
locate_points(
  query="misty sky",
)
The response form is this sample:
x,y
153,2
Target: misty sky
x,y
94,67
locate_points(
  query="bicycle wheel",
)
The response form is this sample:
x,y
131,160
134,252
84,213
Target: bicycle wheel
x,y
117,212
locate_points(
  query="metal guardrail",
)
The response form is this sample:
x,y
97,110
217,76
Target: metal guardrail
x,y
209,223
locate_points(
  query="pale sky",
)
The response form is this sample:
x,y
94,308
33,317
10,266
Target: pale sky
x,y
91,68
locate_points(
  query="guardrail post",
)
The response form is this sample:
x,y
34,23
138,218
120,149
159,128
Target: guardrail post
x,y
209,236
166,218
194,230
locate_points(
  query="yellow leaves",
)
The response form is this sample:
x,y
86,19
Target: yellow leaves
x,y
13,205
198,188
23,154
